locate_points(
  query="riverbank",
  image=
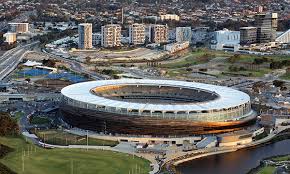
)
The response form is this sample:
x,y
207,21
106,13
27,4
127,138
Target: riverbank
x,y
271,164
262,167
171,164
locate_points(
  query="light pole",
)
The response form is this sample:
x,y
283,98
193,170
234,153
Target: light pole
x,y
87,140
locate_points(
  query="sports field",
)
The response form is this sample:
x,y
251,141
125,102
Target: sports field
x,y
58,137
29,159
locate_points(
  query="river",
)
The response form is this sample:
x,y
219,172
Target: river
x,y
239,162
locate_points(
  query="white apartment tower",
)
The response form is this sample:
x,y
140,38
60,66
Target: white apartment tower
x,y
10,38
183,34
85,36
158,34
137,34
18,27
111,35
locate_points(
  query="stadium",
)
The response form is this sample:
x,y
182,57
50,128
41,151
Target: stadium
x,y
155,107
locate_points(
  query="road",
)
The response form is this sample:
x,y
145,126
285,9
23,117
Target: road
x,y
10,59
75,66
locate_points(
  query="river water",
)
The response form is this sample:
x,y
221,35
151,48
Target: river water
x,y
239,162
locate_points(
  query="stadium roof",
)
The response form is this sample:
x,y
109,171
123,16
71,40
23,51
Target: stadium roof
x,y
228,97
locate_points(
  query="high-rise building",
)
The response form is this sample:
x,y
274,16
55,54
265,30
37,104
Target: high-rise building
x,y
111,35
158,34
266,24
10,38
137,34
18,27
85,36
248,35
183,34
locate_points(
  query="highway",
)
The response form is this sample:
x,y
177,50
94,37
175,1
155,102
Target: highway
x,y
10,59
75,66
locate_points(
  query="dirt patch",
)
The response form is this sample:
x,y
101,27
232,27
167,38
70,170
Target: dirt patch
x,y
52,83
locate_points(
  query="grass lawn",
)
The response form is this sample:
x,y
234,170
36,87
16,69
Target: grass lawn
x,y
285,77
18,115
177,72
267,170
192,58
58,137
246,58
39,120
68,161
282,158
251,73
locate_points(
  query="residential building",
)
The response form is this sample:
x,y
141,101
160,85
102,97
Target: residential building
x,y
248,35
111,35
158,34
85,36
137,34
259,9
169,17
10,38
183,34
97,37
174,47
18,27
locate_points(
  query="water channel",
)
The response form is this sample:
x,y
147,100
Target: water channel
x,y
239,162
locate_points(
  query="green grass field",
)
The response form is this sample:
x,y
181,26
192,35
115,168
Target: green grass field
x,y
68,161
251,73
39,120
58,137
18,115
285,77
192,58
245,58
281,158
267,170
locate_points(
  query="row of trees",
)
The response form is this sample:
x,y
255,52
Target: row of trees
x,y
279,64
274,64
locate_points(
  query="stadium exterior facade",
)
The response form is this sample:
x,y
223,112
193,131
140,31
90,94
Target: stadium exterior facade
x,y
155,107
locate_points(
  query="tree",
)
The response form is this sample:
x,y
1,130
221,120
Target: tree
x,y
234,58
278,83
8,126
